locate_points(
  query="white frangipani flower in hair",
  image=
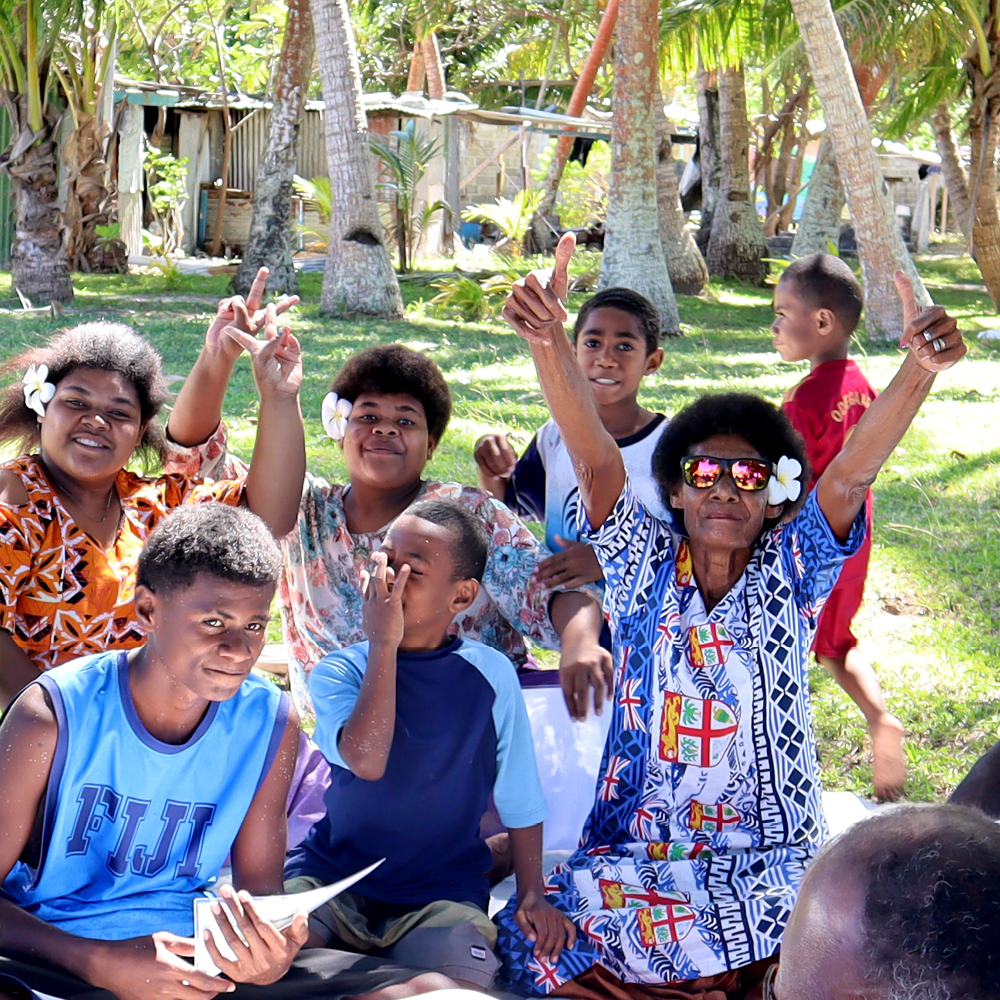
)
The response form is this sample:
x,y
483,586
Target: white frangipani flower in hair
x,y
784,483
334,415
37,390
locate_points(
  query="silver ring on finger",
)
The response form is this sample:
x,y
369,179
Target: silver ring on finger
x,y
928,336
939,345
185,982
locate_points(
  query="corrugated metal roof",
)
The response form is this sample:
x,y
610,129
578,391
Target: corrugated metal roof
x,y
418,106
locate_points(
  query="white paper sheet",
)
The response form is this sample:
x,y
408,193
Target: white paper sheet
x,y
280,910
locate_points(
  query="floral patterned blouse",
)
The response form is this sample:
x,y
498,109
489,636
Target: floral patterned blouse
x,y
320,589
61,594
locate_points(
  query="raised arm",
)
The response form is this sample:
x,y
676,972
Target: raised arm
x,y
198,408
366,738
934,343
535,310
278,467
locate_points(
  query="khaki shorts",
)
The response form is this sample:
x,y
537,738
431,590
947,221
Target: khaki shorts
x,y
455,939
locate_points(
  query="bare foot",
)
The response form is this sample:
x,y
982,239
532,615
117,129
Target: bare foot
x,y
888,760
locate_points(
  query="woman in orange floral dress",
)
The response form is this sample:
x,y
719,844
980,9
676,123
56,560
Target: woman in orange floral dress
x,y
73,518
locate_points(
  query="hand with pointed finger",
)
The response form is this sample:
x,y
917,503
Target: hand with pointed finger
x,y
277,359
535,307
931,334
263,953
153,968
382,601
246,315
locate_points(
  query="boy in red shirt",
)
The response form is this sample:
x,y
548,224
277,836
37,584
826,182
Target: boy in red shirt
x,y
817,305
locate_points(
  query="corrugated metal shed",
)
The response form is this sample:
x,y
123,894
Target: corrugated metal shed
x,y
6,199
250,132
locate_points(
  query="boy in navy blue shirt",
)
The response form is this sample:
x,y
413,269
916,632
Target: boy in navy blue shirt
x,y
420,728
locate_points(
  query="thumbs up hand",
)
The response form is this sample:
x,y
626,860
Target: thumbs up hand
x,y
931,334
535,307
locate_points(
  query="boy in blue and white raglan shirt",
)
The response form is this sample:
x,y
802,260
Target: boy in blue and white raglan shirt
x,y
420,728
617,341
128,777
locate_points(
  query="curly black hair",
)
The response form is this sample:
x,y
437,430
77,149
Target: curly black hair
x,y
823,281
227,542
932,901
470,542
759,422
633,303
393,368
111,347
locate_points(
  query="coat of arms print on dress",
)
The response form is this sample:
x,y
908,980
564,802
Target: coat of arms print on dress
x,y
708,803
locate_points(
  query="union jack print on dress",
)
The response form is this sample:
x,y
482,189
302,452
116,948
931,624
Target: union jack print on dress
x,y
713,814
630,703
610,781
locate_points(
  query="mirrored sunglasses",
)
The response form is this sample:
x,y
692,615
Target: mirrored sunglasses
x,y
703,471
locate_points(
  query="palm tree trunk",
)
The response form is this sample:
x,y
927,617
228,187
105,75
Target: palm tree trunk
x,y
708,152
39,265
633,253
880,244
736,248
272,230
955,176
685,264
89,201
359,279
819,227
984,129
433,66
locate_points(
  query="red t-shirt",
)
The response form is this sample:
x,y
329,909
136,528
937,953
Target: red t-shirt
x,y
825,406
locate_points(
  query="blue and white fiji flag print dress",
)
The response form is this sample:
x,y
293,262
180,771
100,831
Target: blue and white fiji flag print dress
x,y
708,804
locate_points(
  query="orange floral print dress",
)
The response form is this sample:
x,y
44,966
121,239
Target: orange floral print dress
x,y
61,594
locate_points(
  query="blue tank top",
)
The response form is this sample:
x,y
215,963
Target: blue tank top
x,y
134,828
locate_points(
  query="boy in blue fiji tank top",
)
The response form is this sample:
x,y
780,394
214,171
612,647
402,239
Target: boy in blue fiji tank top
x,y
128,776
420,728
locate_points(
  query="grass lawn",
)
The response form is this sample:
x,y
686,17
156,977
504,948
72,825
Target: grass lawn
x,y
931,618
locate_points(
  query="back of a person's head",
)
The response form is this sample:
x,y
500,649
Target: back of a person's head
x,y
637,306
229,543
823,281
469,540
931,884
388,369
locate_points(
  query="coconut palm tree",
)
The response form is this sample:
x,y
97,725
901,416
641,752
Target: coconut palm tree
x,y
716,37
633,254
272,232
28,39
879,241
359,279
685,264
736,248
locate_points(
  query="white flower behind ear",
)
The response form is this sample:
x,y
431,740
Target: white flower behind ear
x,y
784,483
37,390
334,415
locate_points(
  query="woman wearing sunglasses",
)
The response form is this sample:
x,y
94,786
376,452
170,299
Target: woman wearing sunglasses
x,y
708,804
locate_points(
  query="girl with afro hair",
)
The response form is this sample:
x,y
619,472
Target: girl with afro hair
x,y
387,411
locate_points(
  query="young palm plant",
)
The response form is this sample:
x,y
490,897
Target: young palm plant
x,y
511,217
407,159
